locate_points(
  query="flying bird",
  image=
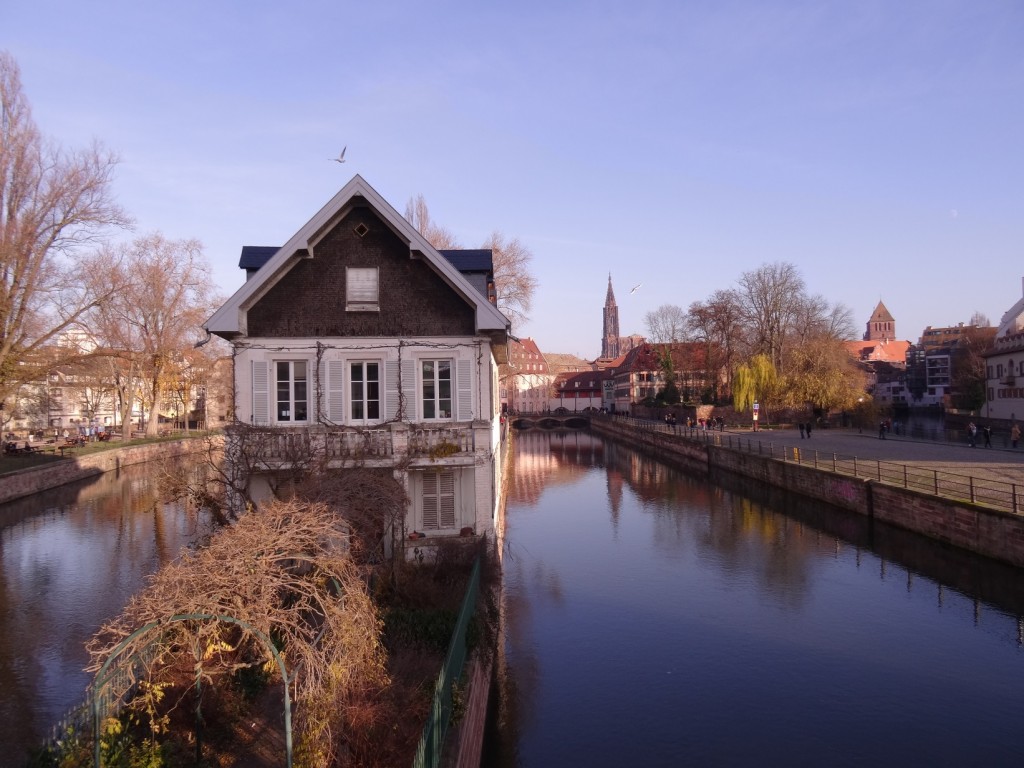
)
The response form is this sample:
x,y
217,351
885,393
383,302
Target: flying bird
x,y
636,288
340,158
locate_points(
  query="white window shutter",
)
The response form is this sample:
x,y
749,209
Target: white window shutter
x,y
464,388
390,390
409,389
260,393
336,391
438,499
430,500
446,498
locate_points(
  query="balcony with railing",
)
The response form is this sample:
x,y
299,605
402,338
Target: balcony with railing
x,y
380,445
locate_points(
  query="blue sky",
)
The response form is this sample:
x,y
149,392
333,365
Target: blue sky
x,y
875,145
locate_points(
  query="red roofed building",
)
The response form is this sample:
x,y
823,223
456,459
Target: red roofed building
x,y
639,374
526,379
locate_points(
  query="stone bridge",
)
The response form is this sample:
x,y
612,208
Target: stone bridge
x,y
550,420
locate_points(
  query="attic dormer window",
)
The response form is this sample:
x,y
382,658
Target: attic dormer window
x,y
361,289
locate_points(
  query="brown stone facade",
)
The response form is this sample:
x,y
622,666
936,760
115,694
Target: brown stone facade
x,y
309,301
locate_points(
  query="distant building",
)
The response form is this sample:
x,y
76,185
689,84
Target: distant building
x,y
578,392
1004,367
639,374
932,362
559,362
881,325
883,359
525,379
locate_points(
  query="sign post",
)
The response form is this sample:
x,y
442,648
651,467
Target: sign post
x,y
756,410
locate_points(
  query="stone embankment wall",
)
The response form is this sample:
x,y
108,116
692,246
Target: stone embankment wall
x,y
992,533
16,485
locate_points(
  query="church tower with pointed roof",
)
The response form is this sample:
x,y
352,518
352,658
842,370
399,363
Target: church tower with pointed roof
x,y
881,326
610,334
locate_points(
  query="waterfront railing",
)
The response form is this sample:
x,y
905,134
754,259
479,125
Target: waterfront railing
x,y
995,494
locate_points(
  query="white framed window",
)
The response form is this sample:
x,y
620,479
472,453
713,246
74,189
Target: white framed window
x,y
364,391
291,391
362,289
436,389
438,500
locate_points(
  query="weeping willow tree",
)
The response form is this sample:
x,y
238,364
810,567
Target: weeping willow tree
x,y
821,376
756,381
669,392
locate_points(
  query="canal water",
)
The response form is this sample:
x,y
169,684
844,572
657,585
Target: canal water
x,y
69,560
655,619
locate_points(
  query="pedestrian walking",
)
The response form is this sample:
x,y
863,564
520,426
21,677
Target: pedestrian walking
x,y
808,428
1014,434
881,430
987,432
801,425
972,434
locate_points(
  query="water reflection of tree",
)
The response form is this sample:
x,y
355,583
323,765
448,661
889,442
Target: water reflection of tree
x,y
741,538
69,559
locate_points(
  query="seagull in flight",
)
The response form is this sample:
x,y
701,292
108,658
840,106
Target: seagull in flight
x,y
340,158
636,288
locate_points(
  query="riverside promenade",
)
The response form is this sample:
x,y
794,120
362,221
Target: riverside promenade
x,y
999,464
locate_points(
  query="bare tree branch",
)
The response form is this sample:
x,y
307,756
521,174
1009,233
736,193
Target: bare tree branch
x,y
513,281
52,205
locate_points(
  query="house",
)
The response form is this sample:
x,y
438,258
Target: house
x,y
1004,367
526,379
639,374
939,358
356,343
578,392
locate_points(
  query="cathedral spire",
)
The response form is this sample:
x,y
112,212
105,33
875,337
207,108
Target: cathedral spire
x,y
610,334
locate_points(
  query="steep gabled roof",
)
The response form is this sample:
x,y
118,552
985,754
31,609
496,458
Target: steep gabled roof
x,y
881,314
686,356
230,319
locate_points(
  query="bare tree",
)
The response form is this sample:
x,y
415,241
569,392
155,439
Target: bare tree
x,y
418,214
718,325
980,320
513,281
514,284
666,324
771,296
53,204
157,315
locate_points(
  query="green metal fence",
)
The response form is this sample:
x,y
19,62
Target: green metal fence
x,y
428,753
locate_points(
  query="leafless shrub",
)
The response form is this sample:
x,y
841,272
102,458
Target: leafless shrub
x,y
284,573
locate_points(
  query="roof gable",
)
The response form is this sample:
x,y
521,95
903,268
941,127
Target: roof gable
x,y
230,319
881,314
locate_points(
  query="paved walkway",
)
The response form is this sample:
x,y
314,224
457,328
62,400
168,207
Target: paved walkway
x,y
1006,465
